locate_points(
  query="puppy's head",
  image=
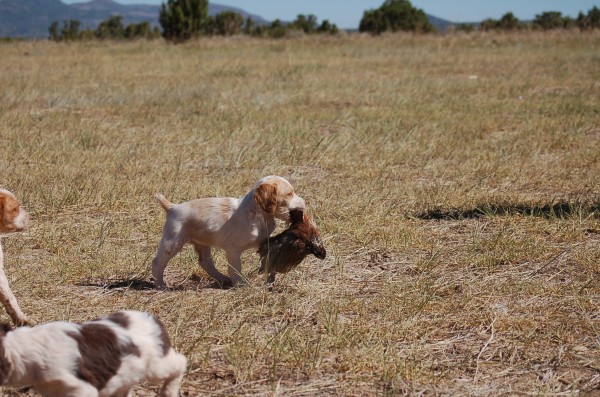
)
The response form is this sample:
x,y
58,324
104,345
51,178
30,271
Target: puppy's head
x,y
276,196
13,218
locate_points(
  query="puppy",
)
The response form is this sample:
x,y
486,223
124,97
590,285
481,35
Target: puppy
x,y
231,224
105,357
285,251
13,218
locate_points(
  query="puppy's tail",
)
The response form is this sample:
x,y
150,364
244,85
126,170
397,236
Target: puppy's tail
x,y
163,202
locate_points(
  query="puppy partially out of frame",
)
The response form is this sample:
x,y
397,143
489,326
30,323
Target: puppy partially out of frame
x,y
13,218
231,224
102,358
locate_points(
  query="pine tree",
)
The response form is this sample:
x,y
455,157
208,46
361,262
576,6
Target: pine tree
x,y
183,19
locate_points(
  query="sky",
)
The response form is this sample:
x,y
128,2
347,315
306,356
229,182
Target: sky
x,y
347,13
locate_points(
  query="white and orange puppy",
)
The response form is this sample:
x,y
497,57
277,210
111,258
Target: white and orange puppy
x,y
101,358
13,218
231,224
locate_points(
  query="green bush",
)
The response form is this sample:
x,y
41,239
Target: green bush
x,y
111,28
589,21
70,31
395,15
183,19
226,23
508,22
549,20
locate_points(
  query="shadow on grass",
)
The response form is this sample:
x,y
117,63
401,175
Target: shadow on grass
x,y
138,284
561,210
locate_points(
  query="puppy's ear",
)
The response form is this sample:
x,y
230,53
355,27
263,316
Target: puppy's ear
x,y
265,196
9,207
2,206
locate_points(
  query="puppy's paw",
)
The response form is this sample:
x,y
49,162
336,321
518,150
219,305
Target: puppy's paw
x,y
23,321
224,283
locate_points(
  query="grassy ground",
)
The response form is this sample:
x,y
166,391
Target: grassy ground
x,y
455,178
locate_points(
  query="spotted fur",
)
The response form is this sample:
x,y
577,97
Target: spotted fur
x,y
101,358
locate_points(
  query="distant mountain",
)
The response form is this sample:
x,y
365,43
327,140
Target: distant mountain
x,y
32,18
440,24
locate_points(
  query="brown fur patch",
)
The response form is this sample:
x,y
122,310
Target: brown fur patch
x,y
9,210
164,337
101,353
265,196
119,318
5,365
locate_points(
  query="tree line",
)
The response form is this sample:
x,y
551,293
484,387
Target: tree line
x,y
111,28
182,20
549,20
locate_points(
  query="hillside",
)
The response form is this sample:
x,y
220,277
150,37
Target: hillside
x,y
32,18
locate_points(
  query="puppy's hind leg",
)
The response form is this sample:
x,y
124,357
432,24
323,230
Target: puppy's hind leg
x,y
206,262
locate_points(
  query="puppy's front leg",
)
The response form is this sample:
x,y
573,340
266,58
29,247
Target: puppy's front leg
x,y
10,302
235,268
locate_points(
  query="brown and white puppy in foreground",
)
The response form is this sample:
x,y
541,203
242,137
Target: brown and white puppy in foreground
x,y
13,218
231,224
105,357
285,251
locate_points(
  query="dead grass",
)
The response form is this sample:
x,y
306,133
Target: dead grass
x,y
455,179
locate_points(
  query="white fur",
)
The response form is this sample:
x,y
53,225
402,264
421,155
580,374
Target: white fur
x,y
231,224
10,223
46,357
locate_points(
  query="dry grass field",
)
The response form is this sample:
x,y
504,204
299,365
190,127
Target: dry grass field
x,y
456,180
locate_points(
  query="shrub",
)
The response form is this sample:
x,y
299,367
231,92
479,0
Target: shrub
x,y
226,23
549,20
183,19
70,31
589,21
509,22
395,15
111,28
